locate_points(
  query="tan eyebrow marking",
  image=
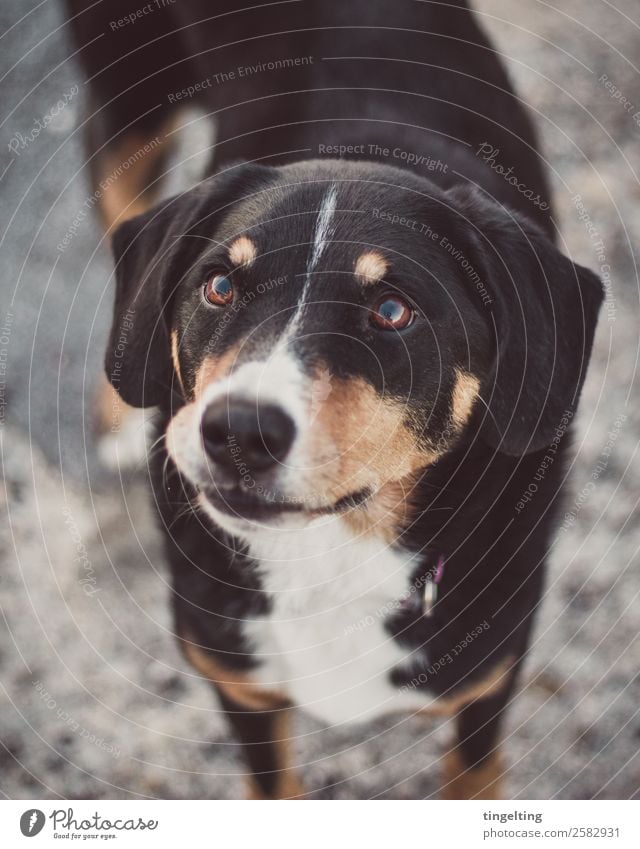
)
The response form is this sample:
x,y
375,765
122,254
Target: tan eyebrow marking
x,y
465,392
242,251
371,267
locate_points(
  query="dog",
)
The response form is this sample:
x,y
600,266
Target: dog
x,y
365,348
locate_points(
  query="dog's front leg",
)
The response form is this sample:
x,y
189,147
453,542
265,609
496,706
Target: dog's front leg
x,y
473,767
258,718
264,737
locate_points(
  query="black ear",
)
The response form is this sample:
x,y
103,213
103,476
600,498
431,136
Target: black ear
x,y
543,310
152,252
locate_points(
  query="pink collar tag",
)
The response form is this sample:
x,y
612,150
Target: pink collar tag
x,y
430,594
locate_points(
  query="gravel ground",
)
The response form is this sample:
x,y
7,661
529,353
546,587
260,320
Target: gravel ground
x,y
94,699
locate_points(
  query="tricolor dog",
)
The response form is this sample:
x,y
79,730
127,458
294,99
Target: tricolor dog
x,y
362,359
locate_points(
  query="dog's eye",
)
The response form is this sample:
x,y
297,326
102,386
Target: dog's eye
x,y
218,290
391,313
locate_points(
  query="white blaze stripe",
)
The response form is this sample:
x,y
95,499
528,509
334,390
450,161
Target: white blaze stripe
x,y
323,228
321,236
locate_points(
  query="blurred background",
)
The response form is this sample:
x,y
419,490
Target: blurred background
x,y
95,700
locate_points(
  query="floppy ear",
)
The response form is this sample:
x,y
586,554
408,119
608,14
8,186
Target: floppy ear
x,y
152,252
544,310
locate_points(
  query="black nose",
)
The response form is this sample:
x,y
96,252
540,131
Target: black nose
x,y
237,433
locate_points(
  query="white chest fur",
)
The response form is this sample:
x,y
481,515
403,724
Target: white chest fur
x,y
324,642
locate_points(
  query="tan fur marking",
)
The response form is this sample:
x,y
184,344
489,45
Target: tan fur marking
x,y
371,267
375,444
465,392
242,251
491,683
237,686
371,434
386,513
212,369
251,696
482,782
109,410
122,197
360,440
174,356
129,193
288,786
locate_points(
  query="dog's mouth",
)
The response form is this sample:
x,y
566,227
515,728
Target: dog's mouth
x,y
240,503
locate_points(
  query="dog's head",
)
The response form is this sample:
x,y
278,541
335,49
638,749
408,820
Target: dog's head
x,y
332,329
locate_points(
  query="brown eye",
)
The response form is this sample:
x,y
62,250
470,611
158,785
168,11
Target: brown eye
x,y
391,313
218,290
